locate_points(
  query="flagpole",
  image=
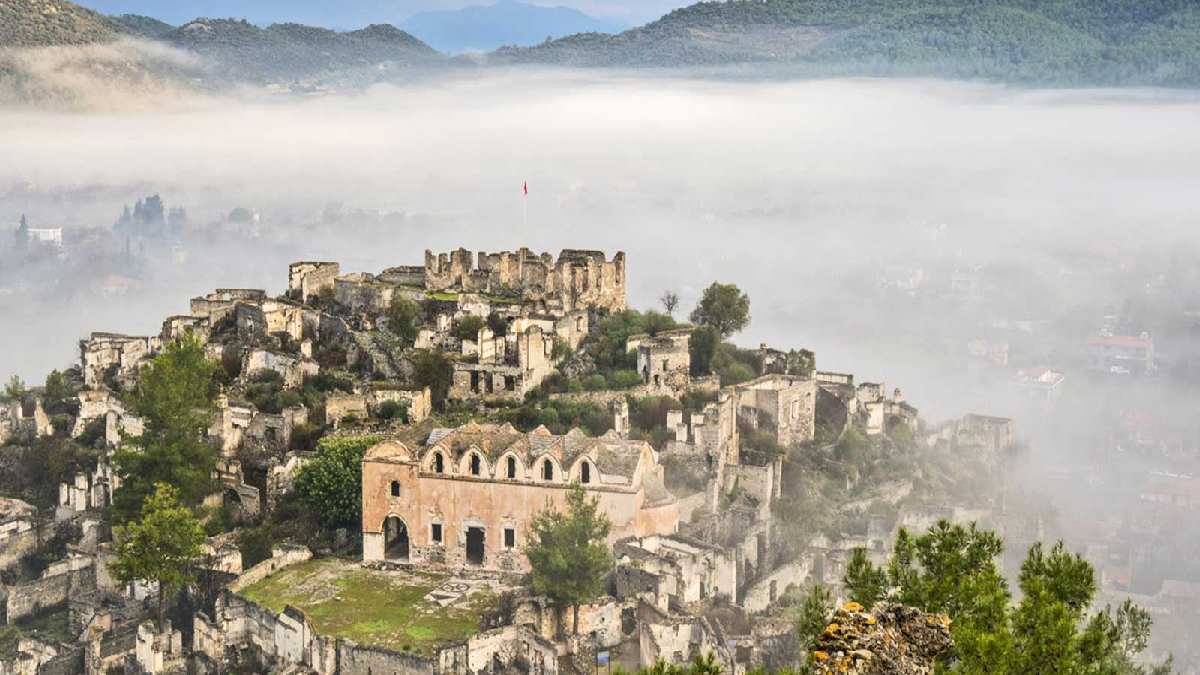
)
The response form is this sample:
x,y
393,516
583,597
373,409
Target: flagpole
x,y
525,207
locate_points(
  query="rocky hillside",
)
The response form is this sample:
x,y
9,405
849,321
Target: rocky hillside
x,y
889,638
233,50
42,23
240,50
1042,41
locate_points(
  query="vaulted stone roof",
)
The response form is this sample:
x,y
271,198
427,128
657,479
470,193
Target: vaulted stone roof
x,y
612,455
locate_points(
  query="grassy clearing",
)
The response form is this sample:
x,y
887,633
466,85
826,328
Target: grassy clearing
x,y
50,627
384,609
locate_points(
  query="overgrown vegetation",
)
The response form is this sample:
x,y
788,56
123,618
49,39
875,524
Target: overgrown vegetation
x,y
162,547
432,369
403,319
953,569
174,398
331,484
559,416
381,609
568,552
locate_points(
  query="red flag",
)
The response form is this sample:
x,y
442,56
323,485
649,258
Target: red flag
x,y
526,187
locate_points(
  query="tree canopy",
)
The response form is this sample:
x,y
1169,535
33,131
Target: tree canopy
x,y
174,399
162,547
14,389
432,369
724,307
331,484
403,317
952,569
568,551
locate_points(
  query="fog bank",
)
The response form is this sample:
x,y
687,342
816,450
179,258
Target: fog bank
x,y
798,191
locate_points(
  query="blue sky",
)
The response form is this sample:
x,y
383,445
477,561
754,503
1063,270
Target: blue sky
x,y
353,13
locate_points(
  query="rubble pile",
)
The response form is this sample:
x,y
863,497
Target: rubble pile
x,y
890,638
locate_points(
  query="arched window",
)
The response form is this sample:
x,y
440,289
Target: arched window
x,y
512,467
439,466
547,470
585,473
474,465
395,488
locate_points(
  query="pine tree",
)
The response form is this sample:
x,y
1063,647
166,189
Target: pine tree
x,y
568,552
162,547
174,398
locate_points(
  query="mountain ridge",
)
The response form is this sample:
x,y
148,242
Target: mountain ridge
x,y
1154,42
507,22
282,51
1032,42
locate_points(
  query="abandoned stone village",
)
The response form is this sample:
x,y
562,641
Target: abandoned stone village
x,y
701,480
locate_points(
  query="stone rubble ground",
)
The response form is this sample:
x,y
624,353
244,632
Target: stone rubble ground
x,y
888,639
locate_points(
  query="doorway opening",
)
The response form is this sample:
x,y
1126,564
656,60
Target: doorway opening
x,y
395,539
475,540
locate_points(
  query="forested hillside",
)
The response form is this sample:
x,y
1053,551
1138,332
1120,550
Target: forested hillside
x,y
40,23
242,50
1043,41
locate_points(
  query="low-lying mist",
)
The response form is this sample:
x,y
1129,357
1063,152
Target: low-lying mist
x,y
882,224
800,192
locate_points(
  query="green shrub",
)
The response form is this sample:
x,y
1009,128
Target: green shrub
x,y
624,379
255,543
331,484
390,410
468,328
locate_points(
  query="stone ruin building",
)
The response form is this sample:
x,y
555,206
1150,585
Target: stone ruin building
x,y
868,405
24,418
467,496
664,360
696,563
576,280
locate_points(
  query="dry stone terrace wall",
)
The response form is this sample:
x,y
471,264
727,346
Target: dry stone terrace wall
x,y
54,589
18,531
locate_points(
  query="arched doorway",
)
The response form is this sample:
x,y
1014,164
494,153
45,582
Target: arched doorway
x,y
395,539
232,502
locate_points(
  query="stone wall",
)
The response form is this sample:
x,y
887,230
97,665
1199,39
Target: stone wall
x,y
281,556
339,406
17,544
178,326
293,370
288,638
767,589
783,404
577,280
356,659
306,279
678,640
111,355
18,531
664,360
52,590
